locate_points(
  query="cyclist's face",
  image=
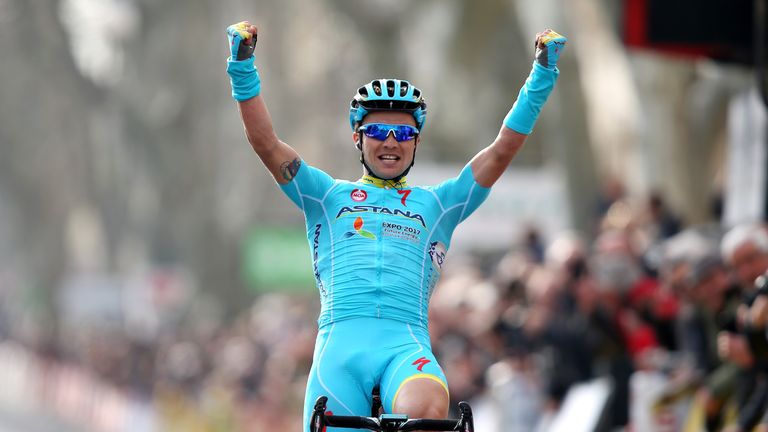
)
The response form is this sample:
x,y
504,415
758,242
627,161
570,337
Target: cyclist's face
x,y
388,158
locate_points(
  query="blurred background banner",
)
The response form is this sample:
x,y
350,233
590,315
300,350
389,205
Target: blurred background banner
x,y
154,277
278,259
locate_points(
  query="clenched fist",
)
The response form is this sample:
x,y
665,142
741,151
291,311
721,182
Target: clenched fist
x,y
549,46
242,40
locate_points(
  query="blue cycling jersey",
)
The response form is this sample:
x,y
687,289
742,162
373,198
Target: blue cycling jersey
x,y
378,246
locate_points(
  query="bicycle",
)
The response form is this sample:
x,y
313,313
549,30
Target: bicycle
x,y
390,422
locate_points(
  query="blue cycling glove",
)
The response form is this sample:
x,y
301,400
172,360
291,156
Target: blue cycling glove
x,y
243,74
534,93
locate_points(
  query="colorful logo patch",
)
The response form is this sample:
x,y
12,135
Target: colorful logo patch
x,y
358,195
358,226
381,210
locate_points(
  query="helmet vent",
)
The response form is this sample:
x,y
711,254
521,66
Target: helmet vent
x,y
385,94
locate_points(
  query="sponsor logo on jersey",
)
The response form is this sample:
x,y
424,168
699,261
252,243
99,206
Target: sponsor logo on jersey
x,y
404,193
315,247
358,226
420,363
437,251
384,210
399,231
358,195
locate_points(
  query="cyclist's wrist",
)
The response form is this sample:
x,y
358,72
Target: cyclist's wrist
x,y
244,78
534,93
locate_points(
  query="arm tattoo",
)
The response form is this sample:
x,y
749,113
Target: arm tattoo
x,y
290,168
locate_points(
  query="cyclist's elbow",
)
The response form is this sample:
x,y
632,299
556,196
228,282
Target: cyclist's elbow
x,y
262,143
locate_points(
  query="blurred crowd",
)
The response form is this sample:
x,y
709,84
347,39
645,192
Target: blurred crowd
x,y
644,293
647,300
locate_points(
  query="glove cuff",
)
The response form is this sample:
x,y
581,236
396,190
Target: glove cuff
x,y
244,78
534,93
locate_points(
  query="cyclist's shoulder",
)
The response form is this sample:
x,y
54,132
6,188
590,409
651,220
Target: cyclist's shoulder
x,y
446,186
343,185
313,173
457,189
426,187
309,181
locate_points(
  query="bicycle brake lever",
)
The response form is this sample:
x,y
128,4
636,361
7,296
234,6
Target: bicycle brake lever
x,y
466,421
317,422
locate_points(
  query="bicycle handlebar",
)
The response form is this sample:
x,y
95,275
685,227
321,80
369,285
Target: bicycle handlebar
x,y
431,425
390,423
372,423
369,423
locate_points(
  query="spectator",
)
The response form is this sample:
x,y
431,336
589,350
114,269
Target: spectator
x,y
745,249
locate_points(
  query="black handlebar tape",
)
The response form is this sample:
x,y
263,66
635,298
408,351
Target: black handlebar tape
x,y
352,422
430,425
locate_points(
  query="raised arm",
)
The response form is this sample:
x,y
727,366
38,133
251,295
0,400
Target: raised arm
x,y
280,159
489,164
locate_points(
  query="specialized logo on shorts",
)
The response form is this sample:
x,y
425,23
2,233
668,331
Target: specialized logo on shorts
x,y
437,251
358,226
358,195
376,209
421,363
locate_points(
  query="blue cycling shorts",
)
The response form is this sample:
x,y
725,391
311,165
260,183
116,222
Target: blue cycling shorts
x,y
353,356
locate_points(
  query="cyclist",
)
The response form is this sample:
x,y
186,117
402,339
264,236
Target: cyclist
x,y
378,243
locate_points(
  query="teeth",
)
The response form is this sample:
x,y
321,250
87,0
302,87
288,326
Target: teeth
x,y
389,157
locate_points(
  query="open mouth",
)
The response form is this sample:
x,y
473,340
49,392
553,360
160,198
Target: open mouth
x,y
388,157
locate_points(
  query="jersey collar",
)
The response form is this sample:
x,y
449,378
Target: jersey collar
x,y
380,183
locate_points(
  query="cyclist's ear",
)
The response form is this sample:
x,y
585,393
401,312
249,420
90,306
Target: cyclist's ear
x,y
357,138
